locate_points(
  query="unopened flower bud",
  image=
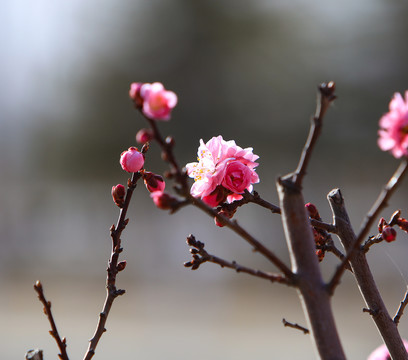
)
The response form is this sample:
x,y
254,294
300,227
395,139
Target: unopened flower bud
x,y
132,160
144,135
227,214
312,209
121,265
134,94
153,182
403,224
118,194
163,200
389,234
381,224
320,254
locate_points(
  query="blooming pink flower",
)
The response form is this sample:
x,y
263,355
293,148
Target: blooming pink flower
x,y
222,168
394,127
381,353
157,102
132,160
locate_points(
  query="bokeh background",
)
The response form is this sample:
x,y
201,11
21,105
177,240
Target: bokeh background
x,y
245,69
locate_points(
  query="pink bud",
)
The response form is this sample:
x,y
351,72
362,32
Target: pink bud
x,y
153,182
134,94
163,200
144,135
118,194
157,101
132,160
313,212
389,234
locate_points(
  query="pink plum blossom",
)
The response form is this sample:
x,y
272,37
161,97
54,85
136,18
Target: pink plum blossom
x,y
381,353
132,160
157,101
223,171
394,127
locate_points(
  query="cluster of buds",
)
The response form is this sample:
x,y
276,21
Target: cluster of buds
x,y
319,235
155,102
386,229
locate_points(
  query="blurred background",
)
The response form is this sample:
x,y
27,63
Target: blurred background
x,y
248,70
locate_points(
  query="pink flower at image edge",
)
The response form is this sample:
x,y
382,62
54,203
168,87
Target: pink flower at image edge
x,y
157,101
381,353
222,167
394,127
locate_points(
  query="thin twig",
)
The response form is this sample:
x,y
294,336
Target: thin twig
x,y
401,308
111,291
325,97
200,256
295,326
371,241
379,204
234,226
62,343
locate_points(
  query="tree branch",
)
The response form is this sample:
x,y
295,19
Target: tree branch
x,y
400,311
379,204
365,279
113,268
200,256
62,343
324,99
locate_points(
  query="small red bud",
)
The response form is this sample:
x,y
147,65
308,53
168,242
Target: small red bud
x,y
381,224
121,265
312,209
153,182
403,224
118,194
163,200
389,234
320,254
227,214
144,135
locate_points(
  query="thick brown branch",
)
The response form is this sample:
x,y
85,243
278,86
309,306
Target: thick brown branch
x,y
365,279
380,203
324,99
111,291
62,344
312,291
200,256
400,311
295,326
